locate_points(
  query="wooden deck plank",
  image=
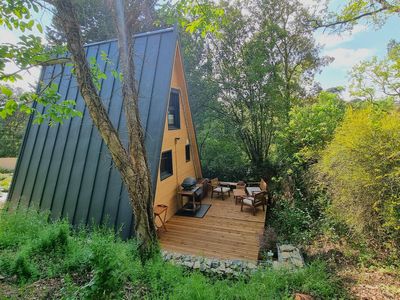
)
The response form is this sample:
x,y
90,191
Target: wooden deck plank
x,y
225,232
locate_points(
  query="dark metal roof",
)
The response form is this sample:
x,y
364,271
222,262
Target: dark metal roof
x,y
67,168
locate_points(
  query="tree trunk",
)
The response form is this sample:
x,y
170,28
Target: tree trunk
x,y
131,163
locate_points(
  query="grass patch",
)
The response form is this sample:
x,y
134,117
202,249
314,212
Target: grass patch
x,y
99,265
5,181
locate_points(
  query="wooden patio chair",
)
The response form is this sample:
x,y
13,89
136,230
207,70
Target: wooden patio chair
x,y
263,185
259,199
240,191
218,189
256,187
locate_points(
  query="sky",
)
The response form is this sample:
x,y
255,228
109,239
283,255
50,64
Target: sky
x,y
347,49
350,48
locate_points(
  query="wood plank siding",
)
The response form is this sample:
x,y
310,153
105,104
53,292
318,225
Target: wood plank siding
x,y
175,140
225,232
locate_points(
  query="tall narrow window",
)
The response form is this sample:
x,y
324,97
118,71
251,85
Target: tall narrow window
x,y
173,111
187,152
166,165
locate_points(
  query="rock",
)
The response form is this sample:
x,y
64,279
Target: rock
x,y
214,264
251,266
207,262
285,255
287,248
222,268
188,264
196,265
237,263
203,267
298,262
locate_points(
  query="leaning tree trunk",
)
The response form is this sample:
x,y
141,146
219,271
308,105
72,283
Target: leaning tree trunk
x,y
131,162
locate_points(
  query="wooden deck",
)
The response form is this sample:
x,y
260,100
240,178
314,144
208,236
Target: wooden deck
x,y
225,232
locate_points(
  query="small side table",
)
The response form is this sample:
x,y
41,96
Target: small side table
x,y
158,211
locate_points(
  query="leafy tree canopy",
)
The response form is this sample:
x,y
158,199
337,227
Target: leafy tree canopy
x,y
96,20
29,52
372,11
374,78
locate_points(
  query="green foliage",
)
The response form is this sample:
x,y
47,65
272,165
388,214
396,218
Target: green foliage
x,y
111,262
96,20
98,265
293,222
5,182
375,12
299,213
27,53
266,284
360,169
298,146
376,76
221,156
236,72
202,17
310,128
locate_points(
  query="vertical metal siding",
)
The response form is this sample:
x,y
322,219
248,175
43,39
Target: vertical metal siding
x,y
104,163
59,147
92,153
56,199
79,161
67,168
159,102
37,152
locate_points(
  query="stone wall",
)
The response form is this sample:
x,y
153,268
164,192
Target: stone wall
x,y
210,266
288,257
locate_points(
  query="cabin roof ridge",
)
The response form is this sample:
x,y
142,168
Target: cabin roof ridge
x,y
136,35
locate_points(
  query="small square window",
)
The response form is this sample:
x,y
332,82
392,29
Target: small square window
x,y
166,165
187,152
173,111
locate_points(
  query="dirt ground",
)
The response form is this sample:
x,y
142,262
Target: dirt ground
x,y
361,282
373,284
8,163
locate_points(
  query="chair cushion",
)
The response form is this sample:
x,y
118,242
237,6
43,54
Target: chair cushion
x,y
248,201
222,189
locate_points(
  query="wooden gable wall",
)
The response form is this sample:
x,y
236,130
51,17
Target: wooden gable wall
x,y
175,141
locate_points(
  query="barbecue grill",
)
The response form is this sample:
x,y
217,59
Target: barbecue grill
x,y
189,183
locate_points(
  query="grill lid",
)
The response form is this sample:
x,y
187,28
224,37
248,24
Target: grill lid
x,y
188,183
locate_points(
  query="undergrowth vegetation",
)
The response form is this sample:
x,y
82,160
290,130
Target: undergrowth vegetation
x,y
98,265
339,180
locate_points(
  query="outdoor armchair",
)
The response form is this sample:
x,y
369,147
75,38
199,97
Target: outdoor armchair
x,y
216,188
259,199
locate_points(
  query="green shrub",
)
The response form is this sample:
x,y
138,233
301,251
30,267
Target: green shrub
x,y
99,265
110,260
160,277
292,223
20,227
23,267
265,284
361,170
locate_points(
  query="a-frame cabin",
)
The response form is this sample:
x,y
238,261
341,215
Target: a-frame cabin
x,y
68,170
